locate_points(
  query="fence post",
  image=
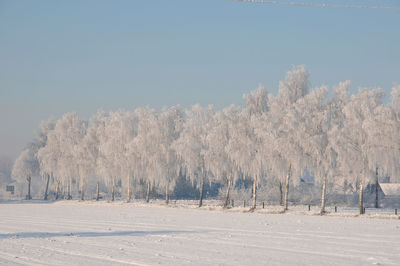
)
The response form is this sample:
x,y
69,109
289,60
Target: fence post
x,y
309,207
263,204
335,208
395,211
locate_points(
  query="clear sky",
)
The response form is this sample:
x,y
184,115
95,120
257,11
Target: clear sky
x,y
62,56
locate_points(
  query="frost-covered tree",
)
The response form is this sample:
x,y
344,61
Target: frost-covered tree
x,y
121,130
91,145
218,161
59,156
46,127
383,140
274,164
270,139
391,123
85,156
383,136
25,167
285,147
310,117
245,148
147,144
170,124
354,141
115,132
192,145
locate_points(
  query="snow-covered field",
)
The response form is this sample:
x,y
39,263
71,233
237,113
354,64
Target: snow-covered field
x,y
90,233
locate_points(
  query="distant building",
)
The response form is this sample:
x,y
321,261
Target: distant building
x,y
391,189
391,194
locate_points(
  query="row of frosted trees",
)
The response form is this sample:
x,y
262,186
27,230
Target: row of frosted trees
x,y
273,137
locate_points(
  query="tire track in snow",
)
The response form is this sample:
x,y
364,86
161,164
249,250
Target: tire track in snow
x,y
354,254
88,245
25,260
100,258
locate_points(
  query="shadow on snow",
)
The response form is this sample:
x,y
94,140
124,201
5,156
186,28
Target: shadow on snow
x,y
89,234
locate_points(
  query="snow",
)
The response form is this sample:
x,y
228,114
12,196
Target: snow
x,y
101,233
390,189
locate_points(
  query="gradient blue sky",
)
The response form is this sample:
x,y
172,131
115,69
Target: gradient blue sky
x,y
62,56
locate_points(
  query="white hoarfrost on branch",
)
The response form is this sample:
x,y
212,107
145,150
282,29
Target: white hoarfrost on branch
x,y
273,142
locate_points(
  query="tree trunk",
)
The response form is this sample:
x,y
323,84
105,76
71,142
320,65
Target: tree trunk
x,y
69,190
28,197
228,188
57,190
361,198
287,188
82,192
113,191
97,191
323,197
201,192
47,187
254,204
167,193
281,194
376,189
148,192
129,189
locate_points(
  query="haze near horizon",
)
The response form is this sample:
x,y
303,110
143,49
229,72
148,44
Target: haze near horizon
x,y
58,57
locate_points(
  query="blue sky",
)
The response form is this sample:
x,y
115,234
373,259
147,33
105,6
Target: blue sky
x,y
62,56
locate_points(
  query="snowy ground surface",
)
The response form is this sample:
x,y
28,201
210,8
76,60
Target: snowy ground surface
x,y
90,233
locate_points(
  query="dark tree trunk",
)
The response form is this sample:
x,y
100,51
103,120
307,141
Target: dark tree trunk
x,y
113,191
129,189
148,192
361,197
228,188
167,194
47,187
201,192
28,197
280,194
69,190
57,190
82,193
97,191
376,189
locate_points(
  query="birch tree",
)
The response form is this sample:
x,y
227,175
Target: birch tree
x,y
170,124
113,161
311,118
25,167
46,127
217,158
91,147
122,130
70,131
192,144
283,129
353,140
249,121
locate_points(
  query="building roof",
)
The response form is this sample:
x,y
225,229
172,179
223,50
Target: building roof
x,y
390,189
